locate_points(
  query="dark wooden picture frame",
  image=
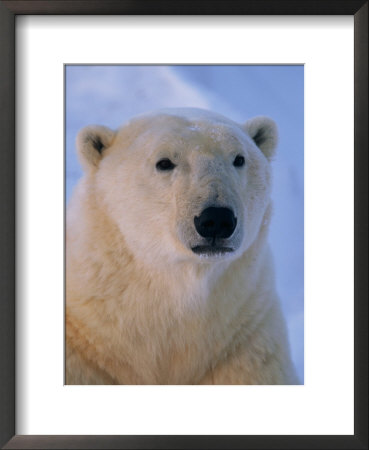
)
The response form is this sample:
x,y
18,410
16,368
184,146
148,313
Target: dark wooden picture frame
x,y
8,12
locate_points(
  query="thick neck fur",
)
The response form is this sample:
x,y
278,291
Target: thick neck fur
x,y
108,306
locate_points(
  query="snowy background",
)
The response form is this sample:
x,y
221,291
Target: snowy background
x,y
110,95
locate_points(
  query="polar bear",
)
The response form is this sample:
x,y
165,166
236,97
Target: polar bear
x,y
169,276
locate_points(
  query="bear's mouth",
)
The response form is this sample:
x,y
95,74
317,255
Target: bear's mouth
x,y
209,250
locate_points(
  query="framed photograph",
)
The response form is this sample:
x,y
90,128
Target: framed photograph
x,y
80,79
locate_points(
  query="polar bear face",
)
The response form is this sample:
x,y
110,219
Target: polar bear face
x,y
182,184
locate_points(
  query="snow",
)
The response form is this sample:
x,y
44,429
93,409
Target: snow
x,y
110,95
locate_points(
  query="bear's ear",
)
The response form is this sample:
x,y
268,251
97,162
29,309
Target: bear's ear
x,y
263,131
91,142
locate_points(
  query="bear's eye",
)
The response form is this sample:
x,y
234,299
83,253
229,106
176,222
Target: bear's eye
x,y
165,164
239,161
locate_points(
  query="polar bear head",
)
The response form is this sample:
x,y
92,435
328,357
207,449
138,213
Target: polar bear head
x,y
182,184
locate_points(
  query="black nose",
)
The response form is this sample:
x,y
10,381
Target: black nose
x,y
215,222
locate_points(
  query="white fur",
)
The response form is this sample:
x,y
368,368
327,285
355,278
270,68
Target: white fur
x,y
142,307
